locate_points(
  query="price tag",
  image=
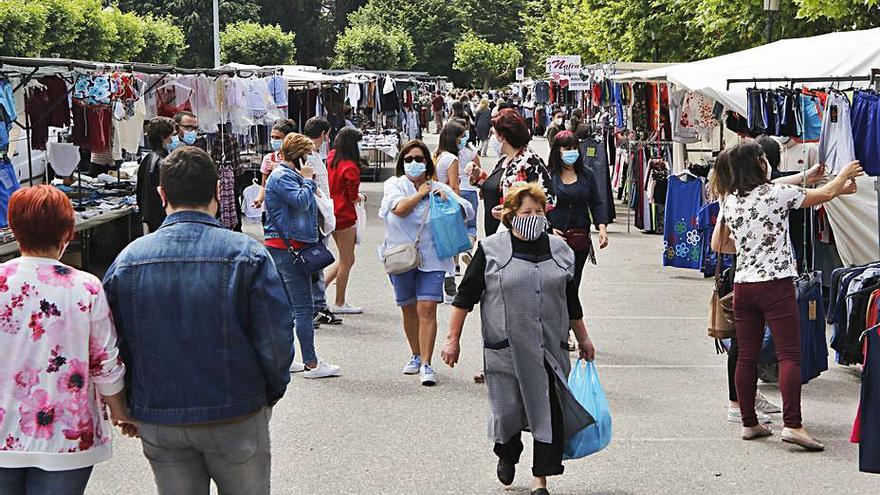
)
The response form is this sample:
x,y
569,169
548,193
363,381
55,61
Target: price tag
x,y
812,311
834,113
591,151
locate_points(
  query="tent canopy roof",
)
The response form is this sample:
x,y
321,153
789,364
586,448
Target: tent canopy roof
x,y
852,53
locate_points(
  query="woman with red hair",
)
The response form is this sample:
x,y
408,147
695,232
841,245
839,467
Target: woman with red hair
x,y
517,165
62,360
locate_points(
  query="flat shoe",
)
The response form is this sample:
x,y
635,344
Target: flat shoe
x,y
808,443
755,433
540,491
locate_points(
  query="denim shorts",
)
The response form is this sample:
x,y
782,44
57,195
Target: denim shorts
x,y
474,198
416,285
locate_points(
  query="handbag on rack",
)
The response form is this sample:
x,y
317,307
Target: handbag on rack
x,y
721,325
405,257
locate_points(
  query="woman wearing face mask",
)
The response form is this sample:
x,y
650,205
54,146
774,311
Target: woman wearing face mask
x,y
453,139
555,126
754,215
344,176
280,130
577,201
417,292
483,124
517,164
292,223
161,138
525,323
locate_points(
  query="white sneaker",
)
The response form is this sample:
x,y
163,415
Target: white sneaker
x,y
347,309
765,406
323,370
297,367
429,378
734,416
413,366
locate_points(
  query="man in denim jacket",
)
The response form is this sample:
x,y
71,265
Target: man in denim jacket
x,y
205,328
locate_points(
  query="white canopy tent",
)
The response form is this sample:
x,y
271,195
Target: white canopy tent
x,y
852,53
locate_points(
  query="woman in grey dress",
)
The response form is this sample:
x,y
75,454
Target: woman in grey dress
x,y
522,280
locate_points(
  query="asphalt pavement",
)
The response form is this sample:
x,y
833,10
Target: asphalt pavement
x,y
375,431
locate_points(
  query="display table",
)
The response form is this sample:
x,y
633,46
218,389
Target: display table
x,y
84,227
376,148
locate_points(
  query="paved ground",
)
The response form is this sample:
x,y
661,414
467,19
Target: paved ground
x,y
375,431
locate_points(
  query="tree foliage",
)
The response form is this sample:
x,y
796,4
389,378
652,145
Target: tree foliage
x,y
24,26
371,47
164,43
256,44
484,60
130,29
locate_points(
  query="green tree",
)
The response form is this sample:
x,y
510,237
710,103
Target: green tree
x,y
497,21
434,26
371,47
130,32
252,43
484,60
164,43
836,9
24,27
312,24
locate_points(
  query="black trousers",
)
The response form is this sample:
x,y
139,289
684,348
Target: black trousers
x,y
547,459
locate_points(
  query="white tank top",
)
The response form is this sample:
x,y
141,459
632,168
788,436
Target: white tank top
x,y
443,162
465,156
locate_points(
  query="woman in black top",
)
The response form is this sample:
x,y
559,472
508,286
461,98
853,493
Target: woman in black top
x,y
577,201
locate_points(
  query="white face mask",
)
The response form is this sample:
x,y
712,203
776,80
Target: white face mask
x,y
496,145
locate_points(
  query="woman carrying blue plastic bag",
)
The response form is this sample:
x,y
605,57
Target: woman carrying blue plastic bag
x,y
406,207
522,279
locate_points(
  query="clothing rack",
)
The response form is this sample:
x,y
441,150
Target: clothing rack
x,y
795,80
874,82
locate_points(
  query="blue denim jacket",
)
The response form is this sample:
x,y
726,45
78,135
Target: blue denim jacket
x,y
291,209
204,324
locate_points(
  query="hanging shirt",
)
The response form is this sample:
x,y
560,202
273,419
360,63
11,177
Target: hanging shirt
x,y
706,220
682,247
836,148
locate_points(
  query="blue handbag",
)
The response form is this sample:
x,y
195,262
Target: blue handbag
x,y
583,381
448,227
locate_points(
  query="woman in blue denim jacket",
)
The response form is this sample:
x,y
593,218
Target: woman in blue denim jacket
x,y
292,221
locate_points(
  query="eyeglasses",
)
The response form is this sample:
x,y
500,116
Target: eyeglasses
x,y
189,127
410,159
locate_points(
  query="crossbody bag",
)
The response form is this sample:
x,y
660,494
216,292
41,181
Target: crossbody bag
x,y
405,257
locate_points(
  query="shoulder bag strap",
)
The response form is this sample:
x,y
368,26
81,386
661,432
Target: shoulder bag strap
x,y
424,220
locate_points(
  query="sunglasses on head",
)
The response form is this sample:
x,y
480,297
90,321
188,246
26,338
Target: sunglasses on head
x,y
410,159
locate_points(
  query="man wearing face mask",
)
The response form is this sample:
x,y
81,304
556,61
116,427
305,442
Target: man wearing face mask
x,y
160,136
188,131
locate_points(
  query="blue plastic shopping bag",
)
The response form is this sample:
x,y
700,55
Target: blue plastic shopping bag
x,y
448,227
583,381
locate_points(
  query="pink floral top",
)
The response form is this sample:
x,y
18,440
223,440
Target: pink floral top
x,y
59,353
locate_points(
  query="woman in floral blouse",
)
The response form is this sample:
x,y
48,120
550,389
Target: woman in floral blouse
x,y
754,216
517,165
60,357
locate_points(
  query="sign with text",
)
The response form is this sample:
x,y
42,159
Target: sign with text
x,y
564,64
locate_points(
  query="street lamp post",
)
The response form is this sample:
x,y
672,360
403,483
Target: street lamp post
x,y
656,46
771,7
216,28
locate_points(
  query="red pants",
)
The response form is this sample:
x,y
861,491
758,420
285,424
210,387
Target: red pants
x,y
775,303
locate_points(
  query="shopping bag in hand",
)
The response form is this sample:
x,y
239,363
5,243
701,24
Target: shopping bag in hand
x,y
448,227
583,381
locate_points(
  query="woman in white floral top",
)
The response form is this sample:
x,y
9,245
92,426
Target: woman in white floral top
x,y
754,215
60,357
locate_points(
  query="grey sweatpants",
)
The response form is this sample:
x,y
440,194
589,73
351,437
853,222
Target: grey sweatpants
x,y
235,455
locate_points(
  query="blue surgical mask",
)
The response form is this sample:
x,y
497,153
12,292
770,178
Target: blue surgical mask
x,y
415,169
463,142
570,156
276,144
189,137
175,142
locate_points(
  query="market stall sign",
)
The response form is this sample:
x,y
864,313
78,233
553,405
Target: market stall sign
x,y
564,64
